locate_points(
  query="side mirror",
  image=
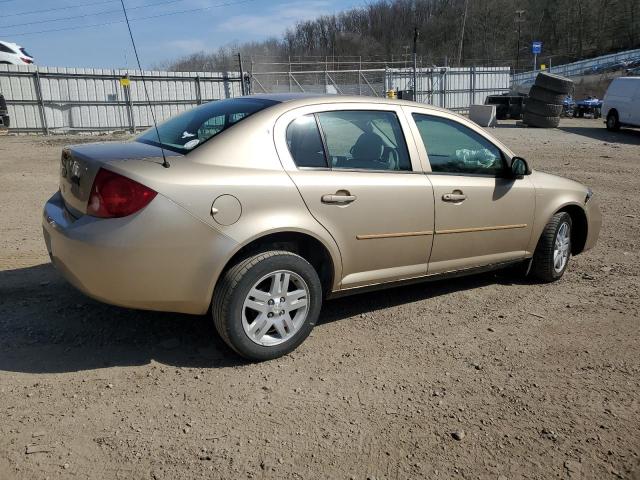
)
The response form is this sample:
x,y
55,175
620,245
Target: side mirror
x,y
519,167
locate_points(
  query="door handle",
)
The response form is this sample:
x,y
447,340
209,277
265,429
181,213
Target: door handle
x,y
454,197
336,198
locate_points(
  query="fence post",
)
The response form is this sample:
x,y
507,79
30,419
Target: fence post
x,y
473,85
43,114
198,91
359,74
242,86
444,88
127,96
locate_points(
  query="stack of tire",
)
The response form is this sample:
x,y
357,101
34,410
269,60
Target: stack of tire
x,y
544,105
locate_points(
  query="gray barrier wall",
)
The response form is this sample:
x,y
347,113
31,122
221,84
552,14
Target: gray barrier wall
x,y
452,88
52,100
57,100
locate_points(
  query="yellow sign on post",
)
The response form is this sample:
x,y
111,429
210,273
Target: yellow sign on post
x,y
543,66
125,82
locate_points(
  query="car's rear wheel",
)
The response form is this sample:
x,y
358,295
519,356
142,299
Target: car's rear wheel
x,y
266,305
553,251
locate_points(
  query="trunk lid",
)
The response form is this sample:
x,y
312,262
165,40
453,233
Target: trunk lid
x,y
79,165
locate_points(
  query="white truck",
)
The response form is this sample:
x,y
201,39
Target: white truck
x,y
621,105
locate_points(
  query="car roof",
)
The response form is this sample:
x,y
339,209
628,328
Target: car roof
x,y
302,99
10,44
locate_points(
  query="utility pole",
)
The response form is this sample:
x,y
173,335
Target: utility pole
x,y
519,21
464,21
415,64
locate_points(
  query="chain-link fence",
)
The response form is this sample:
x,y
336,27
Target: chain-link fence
x,y
341,82
453,88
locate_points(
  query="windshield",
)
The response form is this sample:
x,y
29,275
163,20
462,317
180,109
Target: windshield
x,y
194,127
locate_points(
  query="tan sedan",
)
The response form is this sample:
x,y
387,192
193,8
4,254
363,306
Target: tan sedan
x,y
267,205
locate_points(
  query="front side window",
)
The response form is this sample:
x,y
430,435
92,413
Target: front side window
x,y
194,127
456,149
368,140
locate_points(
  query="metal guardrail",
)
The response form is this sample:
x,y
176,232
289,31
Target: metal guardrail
x,y
578,68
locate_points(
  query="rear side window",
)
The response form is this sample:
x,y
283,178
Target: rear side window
x,y
5,49
456,149
305,144
364,140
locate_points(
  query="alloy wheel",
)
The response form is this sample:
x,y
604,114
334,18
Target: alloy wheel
x,y
561,248
275,308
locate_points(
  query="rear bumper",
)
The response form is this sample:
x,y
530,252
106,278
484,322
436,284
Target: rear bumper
x,y
594,223
160,258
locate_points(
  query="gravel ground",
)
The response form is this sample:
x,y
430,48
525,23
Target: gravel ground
x,y
484,377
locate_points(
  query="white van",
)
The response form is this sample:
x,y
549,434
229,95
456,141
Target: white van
x,y
621,105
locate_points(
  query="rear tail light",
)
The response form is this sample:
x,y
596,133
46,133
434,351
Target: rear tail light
x,y
26,60
113,195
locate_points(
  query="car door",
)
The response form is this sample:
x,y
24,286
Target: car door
x,y
360,177
482,215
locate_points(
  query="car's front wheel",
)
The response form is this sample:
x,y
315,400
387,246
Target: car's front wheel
x,y
266,305
553,251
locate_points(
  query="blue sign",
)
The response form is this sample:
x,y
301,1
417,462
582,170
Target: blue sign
x,y
536,48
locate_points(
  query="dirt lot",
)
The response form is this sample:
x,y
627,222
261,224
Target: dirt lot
x,y
543,380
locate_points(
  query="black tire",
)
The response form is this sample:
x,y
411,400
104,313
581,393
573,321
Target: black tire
x,y
233,288
542,267
539,121
546,96
543,109
613,123
3,105
555,83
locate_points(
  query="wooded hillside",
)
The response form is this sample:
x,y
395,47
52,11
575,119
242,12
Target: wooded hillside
x,y
460,32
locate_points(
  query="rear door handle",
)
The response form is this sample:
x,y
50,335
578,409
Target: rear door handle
x,y
338,199
454,197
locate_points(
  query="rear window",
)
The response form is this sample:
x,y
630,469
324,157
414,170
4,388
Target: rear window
x,y
191,129
24,52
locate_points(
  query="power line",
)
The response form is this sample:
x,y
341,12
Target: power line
x,y
165,164
31,12
77,27
104,12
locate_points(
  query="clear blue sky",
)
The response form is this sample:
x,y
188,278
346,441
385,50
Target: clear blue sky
x,y
79,42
